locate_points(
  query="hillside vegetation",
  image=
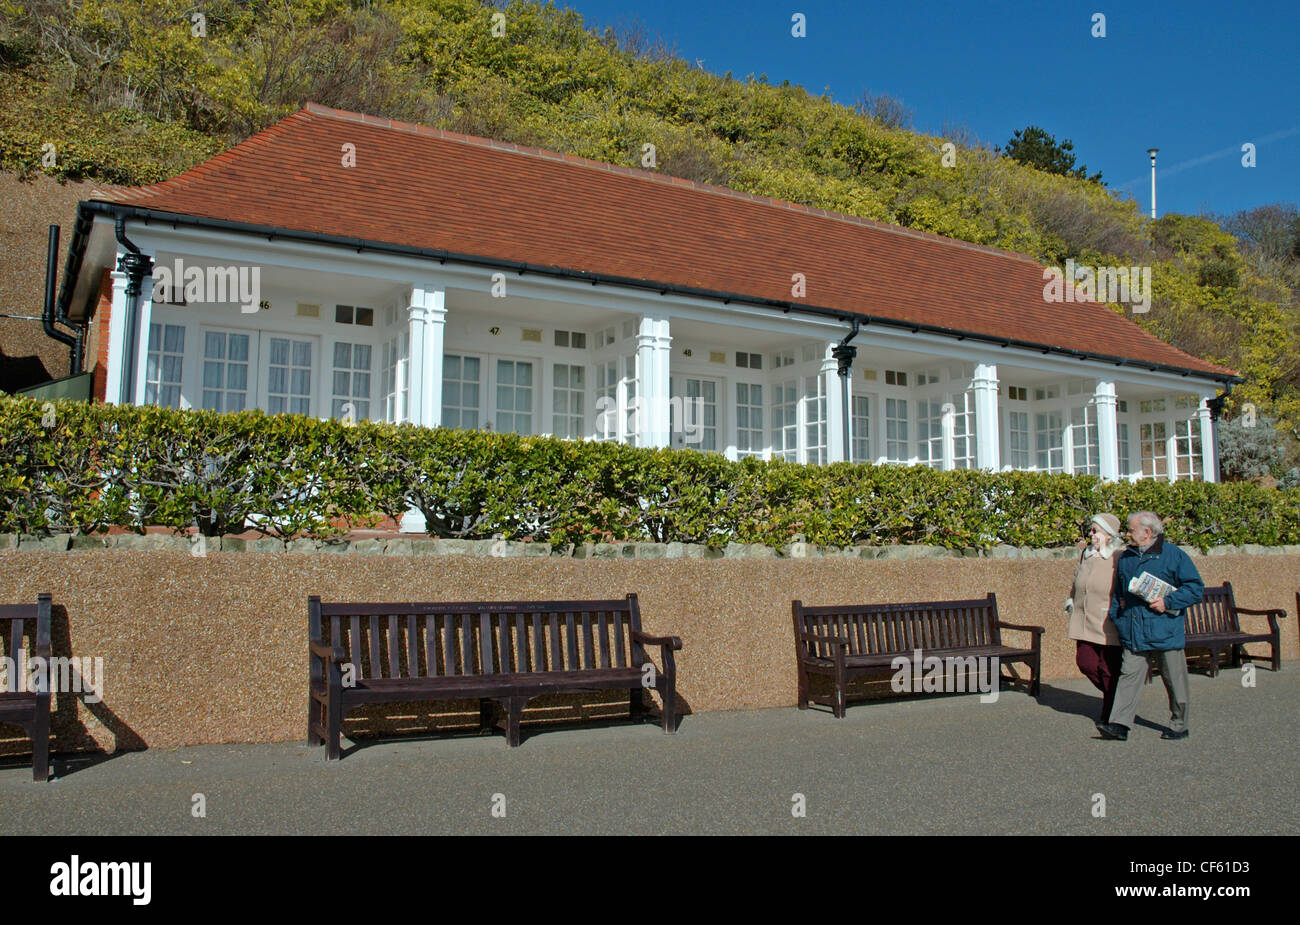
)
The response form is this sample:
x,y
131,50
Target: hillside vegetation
x,y
134,91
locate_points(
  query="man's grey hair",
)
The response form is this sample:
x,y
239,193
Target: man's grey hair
x,y
1150,520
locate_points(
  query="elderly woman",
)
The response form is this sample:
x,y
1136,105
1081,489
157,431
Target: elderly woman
x,y
1098,652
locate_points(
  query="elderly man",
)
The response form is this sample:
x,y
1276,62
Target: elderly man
x,y
1151,629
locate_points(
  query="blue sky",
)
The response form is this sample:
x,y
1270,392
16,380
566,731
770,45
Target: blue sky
x,y
1195,79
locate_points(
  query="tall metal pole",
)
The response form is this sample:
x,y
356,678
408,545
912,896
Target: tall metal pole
x,y
1152,152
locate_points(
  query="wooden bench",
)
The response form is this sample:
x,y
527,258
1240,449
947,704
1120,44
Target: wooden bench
x,y
1212,624
846,641
503,651
27,709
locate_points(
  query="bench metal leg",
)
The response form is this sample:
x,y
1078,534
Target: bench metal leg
x,y
486,715
636,705
803,686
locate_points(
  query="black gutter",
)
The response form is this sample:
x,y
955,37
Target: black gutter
x,y
48,317
71,273
118,210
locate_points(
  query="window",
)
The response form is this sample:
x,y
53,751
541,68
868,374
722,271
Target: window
x,y
1050,442
749,360
225,371
1052,391
929,433
1122,446
1151,406
349,314
351,381
394,379
568,392
1187,452
896,439
814,403
607,400
895,377
1155,451
460,391
162,377
1016,393
288,379
861,428
811,353
749,419
1018,439
514,397
784,358
700,413
785,421
574,339
963,432
1083,438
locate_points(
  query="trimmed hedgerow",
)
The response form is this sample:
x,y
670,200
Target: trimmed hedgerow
x,y
76,467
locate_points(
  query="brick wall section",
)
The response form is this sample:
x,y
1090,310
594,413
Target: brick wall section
x,y
214,649
97,341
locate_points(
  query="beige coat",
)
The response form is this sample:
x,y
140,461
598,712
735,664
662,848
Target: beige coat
x,y
1094,580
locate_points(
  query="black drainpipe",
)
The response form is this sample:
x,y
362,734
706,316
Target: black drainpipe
x,y
136,265
48,317
844,355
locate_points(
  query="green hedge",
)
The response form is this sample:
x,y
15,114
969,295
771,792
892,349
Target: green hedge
x,y
71,466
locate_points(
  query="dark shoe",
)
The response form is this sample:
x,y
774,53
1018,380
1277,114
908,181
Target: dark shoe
x,y
1170,734
1113,731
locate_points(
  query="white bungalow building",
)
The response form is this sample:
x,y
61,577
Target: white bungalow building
x,y
409,274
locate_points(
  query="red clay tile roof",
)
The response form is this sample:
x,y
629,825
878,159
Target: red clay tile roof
x,y
414,186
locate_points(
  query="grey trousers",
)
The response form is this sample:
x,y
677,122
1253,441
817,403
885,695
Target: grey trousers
x,y
1133,673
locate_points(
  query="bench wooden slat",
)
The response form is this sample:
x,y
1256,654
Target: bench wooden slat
x,y
394,648
15,638
430,646
557,658
449,648
603,632
571,638
539,642
373,640
485,642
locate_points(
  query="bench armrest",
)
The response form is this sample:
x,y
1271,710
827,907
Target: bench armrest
x,y
1037,631
41,650
1273,615
670,642
1276,612
329,653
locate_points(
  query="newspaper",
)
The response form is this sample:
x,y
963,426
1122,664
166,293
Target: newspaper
x,y
1149,587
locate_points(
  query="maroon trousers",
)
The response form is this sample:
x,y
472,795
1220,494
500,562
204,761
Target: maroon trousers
x,y
1100,665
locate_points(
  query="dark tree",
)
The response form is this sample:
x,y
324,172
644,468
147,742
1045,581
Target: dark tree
x,y
1036,148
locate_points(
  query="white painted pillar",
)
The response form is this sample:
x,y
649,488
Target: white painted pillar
x,y
1106,404
988,441
652,360
144,317
426,320
1171,447
435,318
426,326
835,450
1209,451
116,338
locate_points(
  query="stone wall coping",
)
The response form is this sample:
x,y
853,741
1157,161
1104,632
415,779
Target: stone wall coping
x,y
509,549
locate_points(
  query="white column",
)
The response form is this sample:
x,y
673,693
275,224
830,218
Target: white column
x,y
652,361
144,316
1209,452
426,325
434,336
1171,446
427,316
831,388
116,338
1107,431
988,441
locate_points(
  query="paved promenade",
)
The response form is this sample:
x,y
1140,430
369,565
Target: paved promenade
x,y
918,766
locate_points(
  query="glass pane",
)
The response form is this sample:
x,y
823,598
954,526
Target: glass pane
x,y
301,381
342,354
361,385
276,381
174,338
471,369
154,337
212,375
237,377
214,346
301,353
505,372
451,367
524,375
361,356
340,383
279,351
239,347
